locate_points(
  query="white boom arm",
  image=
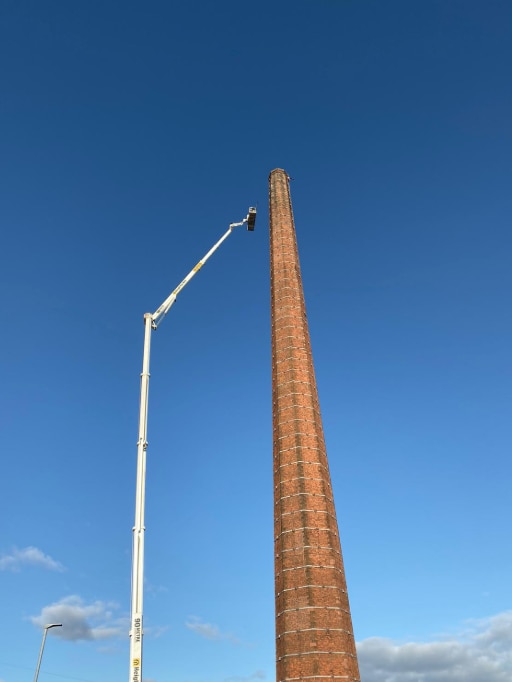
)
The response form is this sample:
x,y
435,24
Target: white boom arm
x,y
151,321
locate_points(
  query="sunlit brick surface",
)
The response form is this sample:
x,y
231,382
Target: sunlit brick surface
x,y
313,624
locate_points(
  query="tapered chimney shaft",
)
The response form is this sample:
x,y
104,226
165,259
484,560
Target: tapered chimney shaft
x,y
314,637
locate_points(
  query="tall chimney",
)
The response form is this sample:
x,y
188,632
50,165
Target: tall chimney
x,y
314,637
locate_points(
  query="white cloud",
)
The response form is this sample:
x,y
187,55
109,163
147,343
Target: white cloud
x,y
81,621
154,590
209,631
30,556
155,631
481,652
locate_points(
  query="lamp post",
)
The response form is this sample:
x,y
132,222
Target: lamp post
x,y
151,322
45,632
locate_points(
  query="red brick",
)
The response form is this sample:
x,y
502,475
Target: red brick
x,y
314,637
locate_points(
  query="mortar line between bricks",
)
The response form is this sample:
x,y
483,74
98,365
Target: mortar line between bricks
x,y
291,632
310,608
293,530
297,327
302,461
301,447
312,653
300,407
282,384
286,497
299,568
301,348
320,677
299,478
300,433
290,360
294,549
296,419
290,393
313,511
303,587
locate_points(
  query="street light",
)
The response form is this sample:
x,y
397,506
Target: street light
x,y
45,632
151,322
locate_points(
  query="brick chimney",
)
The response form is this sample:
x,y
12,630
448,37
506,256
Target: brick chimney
x,y
314,637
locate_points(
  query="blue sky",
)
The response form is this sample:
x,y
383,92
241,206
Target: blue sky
x,y
131,135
